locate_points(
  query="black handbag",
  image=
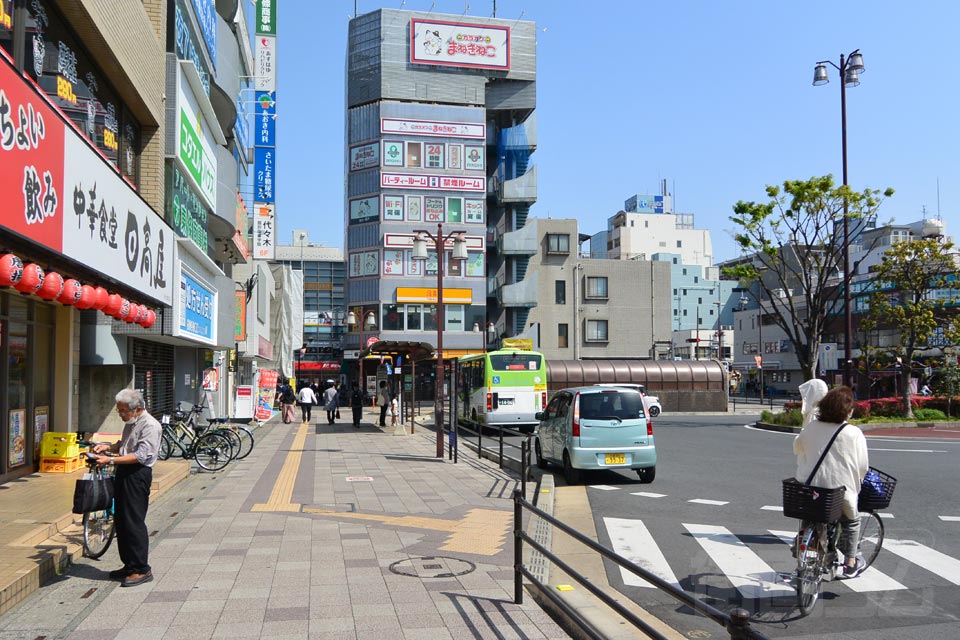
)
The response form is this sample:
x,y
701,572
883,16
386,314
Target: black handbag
x,y
94,494
807,502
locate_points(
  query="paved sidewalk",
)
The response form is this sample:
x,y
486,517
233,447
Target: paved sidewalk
x,y
331,532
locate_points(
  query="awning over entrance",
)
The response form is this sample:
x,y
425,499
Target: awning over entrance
x,y
410,350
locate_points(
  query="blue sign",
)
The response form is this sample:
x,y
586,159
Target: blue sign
x,y
496,379
644,204
240,127
196,309
265,119
263,161
186,47
207,18
389,368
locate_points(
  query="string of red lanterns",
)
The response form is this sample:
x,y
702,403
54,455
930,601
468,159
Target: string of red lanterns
x,y
30,279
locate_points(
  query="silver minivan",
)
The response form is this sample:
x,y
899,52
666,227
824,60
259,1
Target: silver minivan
x,y
590,428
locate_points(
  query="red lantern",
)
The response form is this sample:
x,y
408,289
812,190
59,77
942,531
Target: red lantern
x,y
114,300
100,298
144,314
32,279
141,314
87,295
123,310
11,270
52,286
71,292
132,315
147,322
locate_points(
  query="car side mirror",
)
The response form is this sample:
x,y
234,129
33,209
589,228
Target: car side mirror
x,y
540,415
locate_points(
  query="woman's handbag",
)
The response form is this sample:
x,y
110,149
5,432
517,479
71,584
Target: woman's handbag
x,y
94,494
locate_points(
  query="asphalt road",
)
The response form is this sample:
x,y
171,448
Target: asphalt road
x,y
722,547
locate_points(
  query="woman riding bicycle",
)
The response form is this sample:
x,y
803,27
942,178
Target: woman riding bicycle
x,y
844,466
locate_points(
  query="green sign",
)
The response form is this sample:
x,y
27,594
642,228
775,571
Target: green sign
x,y
186,212
266,17
197,160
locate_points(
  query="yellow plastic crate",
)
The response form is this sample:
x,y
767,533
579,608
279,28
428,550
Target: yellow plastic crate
x,y
59,449
60,465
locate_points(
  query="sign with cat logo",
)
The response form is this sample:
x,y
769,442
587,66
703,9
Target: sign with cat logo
x,y
458,44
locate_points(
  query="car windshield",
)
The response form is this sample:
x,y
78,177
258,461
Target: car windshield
x,y
608,405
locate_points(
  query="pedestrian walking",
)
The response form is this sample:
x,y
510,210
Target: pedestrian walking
x,y
383,401
331,398
287,400
356,404
136,453
307,399
394,411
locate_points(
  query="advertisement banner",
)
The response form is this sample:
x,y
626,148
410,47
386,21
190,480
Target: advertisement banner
x,y
186,45
459,44
263,161
364,210
437,183
240,317
443,129
264,224
207,18
364,263
240,125
473,158
195,144
185,207
243,401
197,308
393,153
265,65
392,207
265,114
266,17
365,156
17,454
240,237
266,391
472,210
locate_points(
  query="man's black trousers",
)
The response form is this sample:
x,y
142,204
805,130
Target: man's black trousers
x,y
131,499
383,415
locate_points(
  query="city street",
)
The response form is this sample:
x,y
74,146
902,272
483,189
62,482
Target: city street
x,y
711,522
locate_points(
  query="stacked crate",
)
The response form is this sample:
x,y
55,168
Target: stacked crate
x,y
60,453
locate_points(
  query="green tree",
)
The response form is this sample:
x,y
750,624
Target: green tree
x,y
795,243
914,300
947,381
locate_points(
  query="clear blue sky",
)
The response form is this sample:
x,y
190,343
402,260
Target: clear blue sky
x,y
716,97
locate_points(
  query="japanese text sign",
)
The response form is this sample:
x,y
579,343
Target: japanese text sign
x,y
459,44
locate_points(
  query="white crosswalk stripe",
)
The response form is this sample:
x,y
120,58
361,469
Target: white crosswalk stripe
x,y
950,518
647,494
632,540
752,577
930,559
604,487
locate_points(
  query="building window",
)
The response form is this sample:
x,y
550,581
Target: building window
x,y
674,292
684,272
562,342
696,279
558,243
684,313
679,244
597,331
561,291
597,287
674,261
676,312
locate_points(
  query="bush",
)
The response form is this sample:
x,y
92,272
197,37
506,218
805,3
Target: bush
x,y
790,418
929,414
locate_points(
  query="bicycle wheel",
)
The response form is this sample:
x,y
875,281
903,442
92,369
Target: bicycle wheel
x,y
97,533
166,448
235,444
212,451
809,578
871,536
246,437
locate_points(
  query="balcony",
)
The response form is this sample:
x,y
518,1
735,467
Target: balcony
x,y
522,189
520,294
522,242
521,137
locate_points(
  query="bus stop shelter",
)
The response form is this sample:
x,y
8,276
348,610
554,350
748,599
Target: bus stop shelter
x,y
409,352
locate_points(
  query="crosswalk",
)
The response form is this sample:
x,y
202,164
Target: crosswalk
x,y
744,560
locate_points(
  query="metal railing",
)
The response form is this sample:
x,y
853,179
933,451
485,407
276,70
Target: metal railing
x,y
737,622
476,428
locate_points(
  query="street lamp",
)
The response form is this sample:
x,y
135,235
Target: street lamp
x,y
302,351
420,253
370,322
850,69
719,327
491,333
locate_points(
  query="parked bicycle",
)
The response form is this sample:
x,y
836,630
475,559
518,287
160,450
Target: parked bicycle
x,y
98,526
243,433
211,449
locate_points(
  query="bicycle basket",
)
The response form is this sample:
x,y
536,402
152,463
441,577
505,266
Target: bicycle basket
x,y
817,504
876,490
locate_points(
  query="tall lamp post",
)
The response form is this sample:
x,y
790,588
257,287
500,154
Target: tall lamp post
x,y
850,69
369,320
420,253
302,351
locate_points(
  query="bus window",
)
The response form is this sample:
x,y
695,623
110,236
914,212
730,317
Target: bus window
x,y
515,362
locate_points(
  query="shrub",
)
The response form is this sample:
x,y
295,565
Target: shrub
x,y
790,418
929,414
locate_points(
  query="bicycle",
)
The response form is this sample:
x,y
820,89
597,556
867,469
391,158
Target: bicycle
x,y
187,424
211,450
244,434
98,526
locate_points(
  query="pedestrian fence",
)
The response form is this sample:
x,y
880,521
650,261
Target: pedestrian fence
x,y
494,443
736,623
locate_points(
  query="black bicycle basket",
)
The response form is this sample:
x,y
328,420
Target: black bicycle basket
x,y
806,502
876,490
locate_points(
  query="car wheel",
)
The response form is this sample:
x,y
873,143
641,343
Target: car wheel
x,y
540,460
570,475
647,475
654,412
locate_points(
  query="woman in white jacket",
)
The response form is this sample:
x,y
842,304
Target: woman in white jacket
x,y
844,465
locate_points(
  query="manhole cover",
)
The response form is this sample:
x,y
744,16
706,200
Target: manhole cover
x,y
432,567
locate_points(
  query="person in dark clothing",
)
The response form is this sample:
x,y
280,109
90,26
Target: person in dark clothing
x,y
136,452
383,401
356,403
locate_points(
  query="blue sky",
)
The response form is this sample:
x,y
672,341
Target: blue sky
x,y
716,97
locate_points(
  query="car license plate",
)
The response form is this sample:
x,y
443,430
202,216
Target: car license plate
x,y
506,402
616,458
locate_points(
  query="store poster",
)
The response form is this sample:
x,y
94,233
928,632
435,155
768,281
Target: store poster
x,y
474,265
18,438
364,263
414,208
266,391
393,262
434,153
414,266
473,158
393,207
454,156
392,153
41,423
433,208
455,210
472,210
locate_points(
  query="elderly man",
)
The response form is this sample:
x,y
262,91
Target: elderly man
x,y
135,455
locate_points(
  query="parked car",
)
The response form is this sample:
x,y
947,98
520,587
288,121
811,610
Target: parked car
x,y
653,402
598,427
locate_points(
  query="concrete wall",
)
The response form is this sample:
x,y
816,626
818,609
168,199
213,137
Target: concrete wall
x,y
99,385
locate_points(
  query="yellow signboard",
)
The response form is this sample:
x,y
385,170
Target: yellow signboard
x,y
424,294
518,343
458,353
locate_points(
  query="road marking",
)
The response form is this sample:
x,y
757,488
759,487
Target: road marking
x,y
885,515
647,494
282,494
950,518
869,580
632,540
717,503
910,450
604,487
771,507
752,577
930,559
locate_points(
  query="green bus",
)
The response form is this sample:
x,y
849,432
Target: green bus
x,y
503,388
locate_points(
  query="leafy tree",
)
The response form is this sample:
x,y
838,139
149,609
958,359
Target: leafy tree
x,y
908,301
947,381
795,240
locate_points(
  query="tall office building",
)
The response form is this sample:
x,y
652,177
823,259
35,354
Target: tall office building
x,y
439,132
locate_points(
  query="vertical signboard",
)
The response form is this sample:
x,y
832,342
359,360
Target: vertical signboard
x,y
265,143
264,242
266,17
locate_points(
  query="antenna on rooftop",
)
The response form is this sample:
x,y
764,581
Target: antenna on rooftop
x,y
938,198
494,8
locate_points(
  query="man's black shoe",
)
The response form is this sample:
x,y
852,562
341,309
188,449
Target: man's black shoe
x,y
134,579
120,574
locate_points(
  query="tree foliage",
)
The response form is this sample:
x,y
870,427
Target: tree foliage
x,y
947,381
795,240
914,299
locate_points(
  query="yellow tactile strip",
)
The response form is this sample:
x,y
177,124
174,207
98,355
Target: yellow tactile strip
x,y
480,531
282,495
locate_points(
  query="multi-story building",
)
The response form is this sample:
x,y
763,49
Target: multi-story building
x,y
436,114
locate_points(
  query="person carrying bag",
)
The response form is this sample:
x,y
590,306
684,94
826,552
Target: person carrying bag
x,y
93,494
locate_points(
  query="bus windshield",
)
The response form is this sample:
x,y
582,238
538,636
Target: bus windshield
x,y
515,362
